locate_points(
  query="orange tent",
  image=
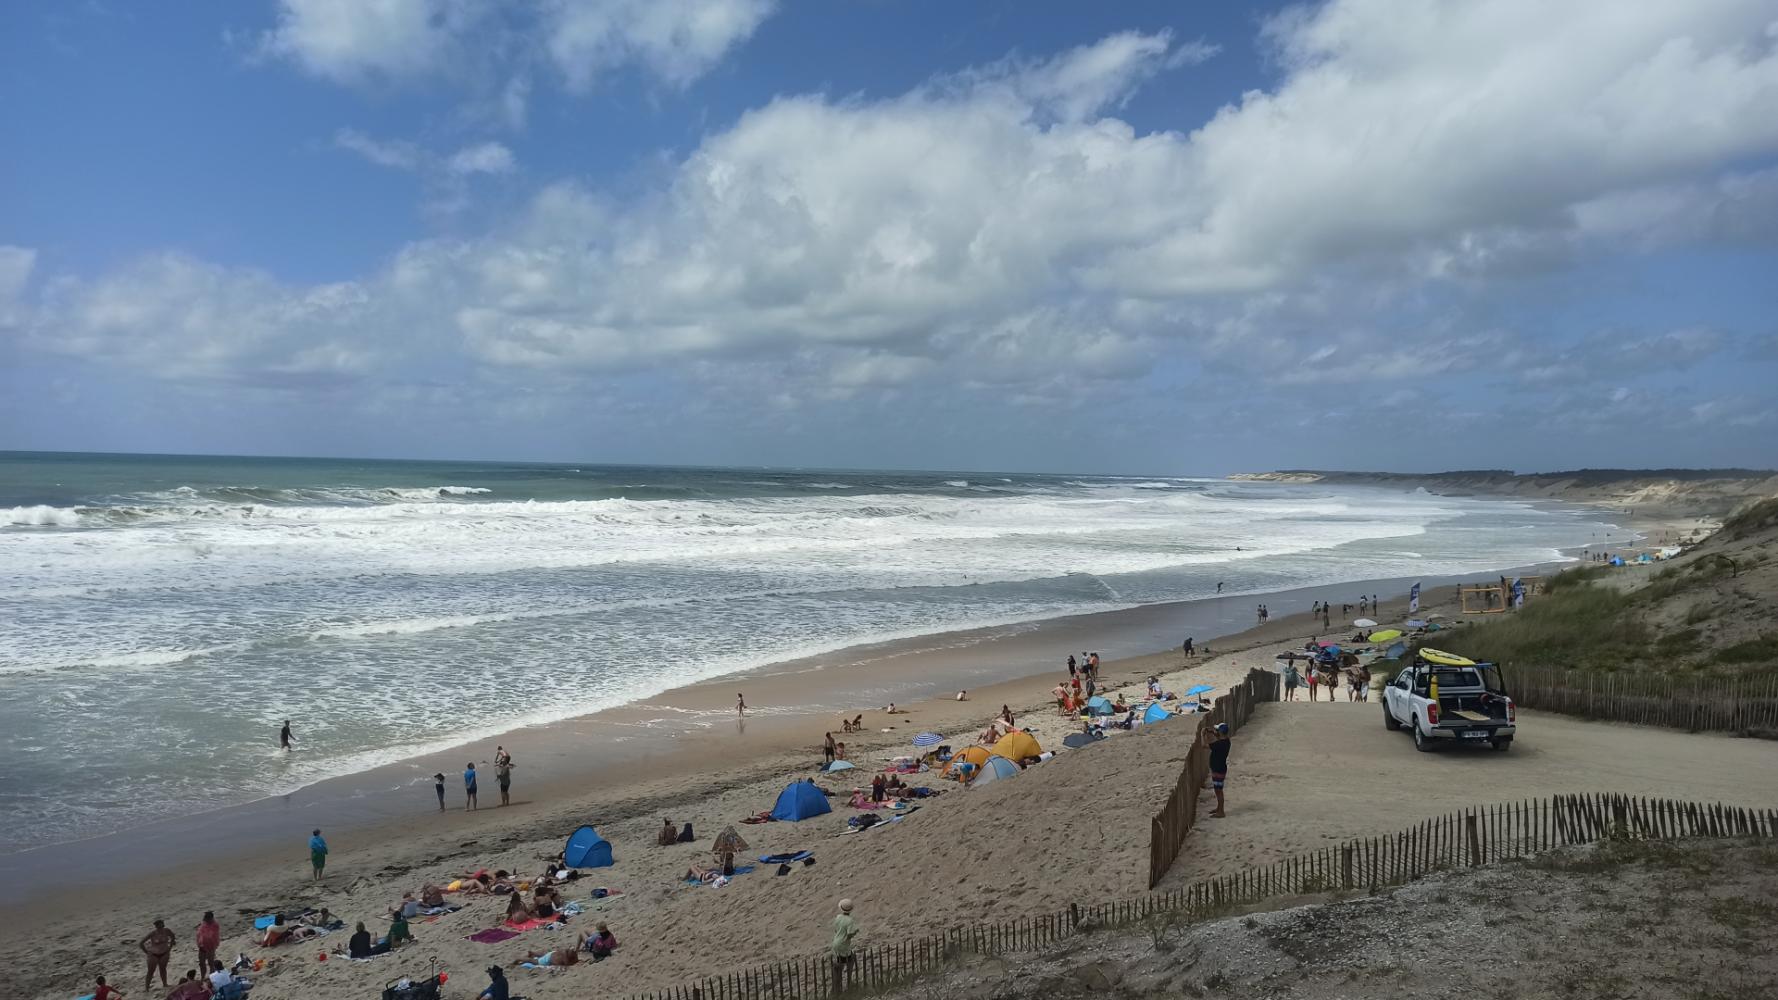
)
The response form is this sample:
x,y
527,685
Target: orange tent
x,y
971,755
1016,746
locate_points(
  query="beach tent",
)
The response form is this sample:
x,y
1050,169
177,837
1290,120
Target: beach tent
x,y
800,800
994,769
1017,746
1098,705
1386,635
839,765
1074,741
586,849
1363,622
1155,713
968,755
1394,652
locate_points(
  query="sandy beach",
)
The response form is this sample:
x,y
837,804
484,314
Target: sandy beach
x,y
964,855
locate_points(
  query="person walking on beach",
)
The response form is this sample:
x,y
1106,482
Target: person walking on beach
x,y
845,928
284,736
1187,646
317,853
1291,679
1218,741
438,786
1073,668
157,944
740,704
209,935
469,787
1219,586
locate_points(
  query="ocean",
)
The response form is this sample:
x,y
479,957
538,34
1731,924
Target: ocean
x,y
164,614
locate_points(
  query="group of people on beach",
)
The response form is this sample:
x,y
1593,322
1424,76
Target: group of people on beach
x,y
1322,674
210,980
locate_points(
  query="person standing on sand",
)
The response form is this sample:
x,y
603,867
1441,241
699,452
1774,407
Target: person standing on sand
x,y
438,786
157,944
1219,586
1188,647
740,704
284,736
503,774
469,786
827,748
317,853
1218,741
1291,679
844,930
1073,669
209,936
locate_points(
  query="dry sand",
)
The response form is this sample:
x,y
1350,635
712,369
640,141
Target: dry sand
x,y
1072,828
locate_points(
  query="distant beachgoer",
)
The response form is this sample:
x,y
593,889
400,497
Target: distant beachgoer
x,y
275,933
469,786
666,836
839,751
1373,603
601,944
157,944
104,991
1219,586
553,959
209,935
876,788
358,945
190,988
1291,680
1315,607
1218,739
845,928
284,736
503,774
1093,665
963,696
1073,669
1188,646
1313,677
740,704
438,786
317,853
827,748
497,985
1006,713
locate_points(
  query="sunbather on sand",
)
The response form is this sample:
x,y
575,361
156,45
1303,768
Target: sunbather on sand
x,y
516,910
431,895
554,959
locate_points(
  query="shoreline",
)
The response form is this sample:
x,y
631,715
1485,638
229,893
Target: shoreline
x,y
673,734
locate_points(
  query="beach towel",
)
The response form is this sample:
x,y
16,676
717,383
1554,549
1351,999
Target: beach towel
x,y
493,935
531,924
261,923
785,859
764,817
439,911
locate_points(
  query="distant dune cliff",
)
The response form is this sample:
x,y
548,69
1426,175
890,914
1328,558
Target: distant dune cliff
x,y
1712,493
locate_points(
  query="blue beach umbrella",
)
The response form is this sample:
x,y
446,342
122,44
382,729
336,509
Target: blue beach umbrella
x,y
841,765
928,740
1199,689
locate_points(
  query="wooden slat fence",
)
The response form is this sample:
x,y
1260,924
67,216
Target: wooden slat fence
x,y
1747,704
1168,830
1457,840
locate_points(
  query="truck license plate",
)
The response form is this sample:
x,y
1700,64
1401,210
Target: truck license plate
x,y
1477,734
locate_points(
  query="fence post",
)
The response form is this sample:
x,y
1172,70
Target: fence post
x,y
1346,865
1475,839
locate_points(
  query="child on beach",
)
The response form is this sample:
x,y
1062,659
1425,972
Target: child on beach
x,y
438,786
318,853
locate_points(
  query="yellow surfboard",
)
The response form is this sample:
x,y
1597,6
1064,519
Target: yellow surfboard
x,y
1444,659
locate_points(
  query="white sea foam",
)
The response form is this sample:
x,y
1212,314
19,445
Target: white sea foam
x,y
41,515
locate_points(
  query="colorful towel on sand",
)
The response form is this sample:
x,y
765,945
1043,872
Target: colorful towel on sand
x,y
529,925
493,935
785,859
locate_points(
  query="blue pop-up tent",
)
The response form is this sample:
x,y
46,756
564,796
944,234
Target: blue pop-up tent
x,y
1155,713
1097,705
800,800
586,849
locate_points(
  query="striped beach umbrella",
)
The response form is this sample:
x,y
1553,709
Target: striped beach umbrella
x,y
928,740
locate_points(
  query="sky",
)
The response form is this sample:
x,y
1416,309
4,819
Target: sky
x,y
1153,237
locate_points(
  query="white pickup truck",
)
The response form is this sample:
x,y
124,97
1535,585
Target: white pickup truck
x,y
1440,696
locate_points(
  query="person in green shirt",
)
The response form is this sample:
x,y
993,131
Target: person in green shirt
x,y
844,930
398,932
